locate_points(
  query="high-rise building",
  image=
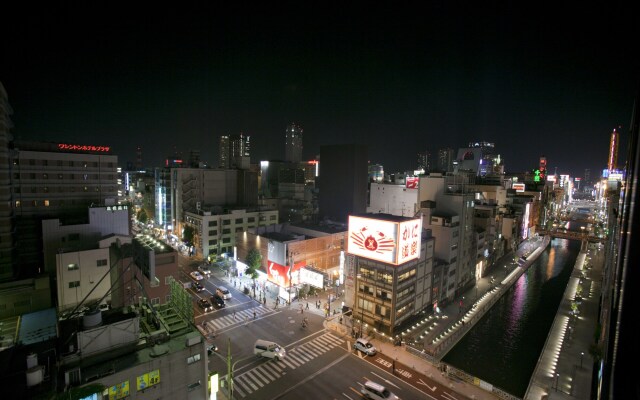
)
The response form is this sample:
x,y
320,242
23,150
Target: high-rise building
x,y
445,160
6,211
235,151
612,161
587,176
194,158
479,157
138,158
293,143
424,161
223,161
343,181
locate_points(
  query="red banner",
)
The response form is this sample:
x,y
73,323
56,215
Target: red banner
x,y
279,274
412,182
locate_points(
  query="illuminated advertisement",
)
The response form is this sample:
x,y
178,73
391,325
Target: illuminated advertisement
x,y
551,178
518,187
119,391
312,278
83,147
615,177
412,182
386,241
279,274
148,379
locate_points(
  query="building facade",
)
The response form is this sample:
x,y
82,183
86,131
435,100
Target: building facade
x,y
293,143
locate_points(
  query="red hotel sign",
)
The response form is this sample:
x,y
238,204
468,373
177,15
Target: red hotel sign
x,y
83,147
279,274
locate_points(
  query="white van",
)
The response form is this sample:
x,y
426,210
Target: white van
x,y
375,391
223,292
268,349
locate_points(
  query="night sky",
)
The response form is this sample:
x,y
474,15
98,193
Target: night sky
x,y
536,82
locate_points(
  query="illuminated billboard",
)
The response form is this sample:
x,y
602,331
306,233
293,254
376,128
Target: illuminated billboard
x,y
148,379
412,182
392,242
279,274
518,187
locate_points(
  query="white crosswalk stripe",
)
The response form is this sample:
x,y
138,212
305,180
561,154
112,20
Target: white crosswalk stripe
x,y
240,317
252,380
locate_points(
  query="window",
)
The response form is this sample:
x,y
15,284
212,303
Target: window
x,y
155,301
239,229
101,263
72,267
239,220
213,242
226,222
45,176
226,231
213,233
193,358
213,223
17,203
193,386
74,284
251,219
226,240
272,218
45,189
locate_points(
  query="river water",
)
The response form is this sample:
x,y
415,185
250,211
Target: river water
x,y
504,346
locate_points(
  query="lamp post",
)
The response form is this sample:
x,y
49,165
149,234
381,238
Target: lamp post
x,y
581,356
557,376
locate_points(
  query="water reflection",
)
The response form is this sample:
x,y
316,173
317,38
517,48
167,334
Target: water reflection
x,y
504,346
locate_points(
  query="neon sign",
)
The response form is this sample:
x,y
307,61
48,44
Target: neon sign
x,y
83,147
393,242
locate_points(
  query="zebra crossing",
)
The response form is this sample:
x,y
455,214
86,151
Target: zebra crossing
x,y
237,317
254,379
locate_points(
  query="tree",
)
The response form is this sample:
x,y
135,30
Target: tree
x,y
142,216
187,234
254,261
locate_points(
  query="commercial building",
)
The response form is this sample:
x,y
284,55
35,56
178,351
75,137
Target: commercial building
x,y
6,210
217,231
388,272
234,151
293,143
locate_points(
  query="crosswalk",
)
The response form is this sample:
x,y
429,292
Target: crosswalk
x,y
254,379
238,317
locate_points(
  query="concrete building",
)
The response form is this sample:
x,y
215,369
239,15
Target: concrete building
x,y
24,296
59,237
446,157
6,210
343,181
388,272
217,231
55,179
142,270
394,199
82,276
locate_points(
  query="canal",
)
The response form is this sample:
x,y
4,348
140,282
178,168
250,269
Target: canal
x,y
503,348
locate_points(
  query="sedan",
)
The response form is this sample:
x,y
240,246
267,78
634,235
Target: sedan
x,y
205,305
197,286
196,275
217,301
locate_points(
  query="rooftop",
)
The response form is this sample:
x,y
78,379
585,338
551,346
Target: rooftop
x,y
384,217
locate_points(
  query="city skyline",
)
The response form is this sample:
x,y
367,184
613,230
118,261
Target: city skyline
x,y
535,85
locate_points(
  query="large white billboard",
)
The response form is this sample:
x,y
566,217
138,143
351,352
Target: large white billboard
x,y
386,241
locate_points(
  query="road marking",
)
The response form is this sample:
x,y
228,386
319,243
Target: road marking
x,y
345,395
421,382
449,395
355,391
386,380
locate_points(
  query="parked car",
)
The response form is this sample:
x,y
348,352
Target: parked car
x,y
197,286
217,301
196,275
205,305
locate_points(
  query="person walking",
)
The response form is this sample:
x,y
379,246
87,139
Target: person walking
x,y
254,314
234,315
393,367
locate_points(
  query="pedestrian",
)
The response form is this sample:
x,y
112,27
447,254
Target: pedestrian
x,y
234,315
307,305
393,367
254,315
264,300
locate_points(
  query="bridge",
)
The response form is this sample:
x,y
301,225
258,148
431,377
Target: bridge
x,y
590,220
563,234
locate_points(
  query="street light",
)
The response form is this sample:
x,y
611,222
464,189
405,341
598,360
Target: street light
x,y
581,356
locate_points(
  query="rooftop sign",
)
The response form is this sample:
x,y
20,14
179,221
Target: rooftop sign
x,y
392,242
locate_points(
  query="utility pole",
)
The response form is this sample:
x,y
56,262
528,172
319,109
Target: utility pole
x,y
229,370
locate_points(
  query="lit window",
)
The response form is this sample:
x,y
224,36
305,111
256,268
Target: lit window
x,y
193,358
17,203
72,267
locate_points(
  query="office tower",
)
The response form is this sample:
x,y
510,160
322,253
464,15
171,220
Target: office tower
x,y
424,161
223,161
293,143
478,157
138,158
612,161
235,151
445,160
343,181
587,176
6,214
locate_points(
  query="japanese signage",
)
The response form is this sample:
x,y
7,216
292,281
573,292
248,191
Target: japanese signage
x,y
412,182
279,274
148,379
312,278
518,187
119,391
83,147
392,242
